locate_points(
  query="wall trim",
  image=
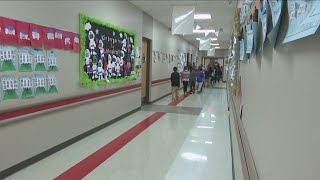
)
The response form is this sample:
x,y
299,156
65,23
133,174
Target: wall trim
x,y
60,103
160,81
15,168
247,161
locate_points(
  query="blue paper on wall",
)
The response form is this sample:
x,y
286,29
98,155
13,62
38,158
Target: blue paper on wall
x,y
276,10
264,20
242,50
255,36
304,19
249,39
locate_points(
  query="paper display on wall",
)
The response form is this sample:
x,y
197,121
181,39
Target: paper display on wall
x,y
276,10
8,58
242,50
182,19
26,86
107,53
304,19
249,39
52,83
264,20
52,61
9,87
40,60
40,84
25,60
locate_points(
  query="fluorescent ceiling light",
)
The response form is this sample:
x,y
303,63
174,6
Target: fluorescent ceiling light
x,y
204,127
204,31
212,39
202,16
214,44
217,47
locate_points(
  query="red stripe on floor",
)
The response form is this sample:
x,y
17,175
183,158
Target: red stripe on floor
x,y
87,165
179,100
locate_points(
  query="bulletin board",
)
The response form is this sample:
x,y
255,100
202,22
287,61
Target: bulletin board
x,y
107,53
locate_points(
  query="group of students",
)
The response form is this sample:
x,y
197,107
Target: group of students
x,y
195,78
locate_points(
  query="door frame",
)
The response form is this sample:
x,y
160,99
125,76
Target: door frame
x,y
147,99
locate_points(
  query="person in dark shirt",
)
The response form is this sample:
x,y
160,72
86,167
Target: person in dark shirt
x,y
192,80
175,83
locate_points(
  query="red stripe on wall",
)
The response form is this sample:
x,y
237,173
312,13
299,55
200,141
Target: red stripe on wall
x,y
160,81
42,107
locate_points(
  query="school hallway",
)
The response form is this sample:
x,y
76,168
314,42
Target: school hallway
x,y
186,139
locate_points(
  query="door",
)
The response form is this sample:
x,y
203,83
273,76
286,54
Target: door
x,y
145,71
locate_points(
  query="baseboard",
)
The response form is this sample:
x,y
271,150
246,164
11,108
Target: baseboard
x,y
13,169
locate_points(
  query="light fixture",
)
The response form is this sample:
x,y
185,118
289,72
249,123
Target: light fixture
x,y
204,31
202,16
215,44
204,127
212,39
217,47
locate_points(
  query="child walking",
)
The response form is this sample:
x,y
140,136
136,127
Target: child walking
x,y
175,83
185,80
192,80
200,77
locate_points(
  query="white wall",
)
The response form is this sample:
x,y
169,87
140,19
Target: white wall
x,y
281,109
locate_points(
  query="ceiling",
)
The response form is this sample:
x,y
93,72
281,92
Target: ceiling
x,y
222,14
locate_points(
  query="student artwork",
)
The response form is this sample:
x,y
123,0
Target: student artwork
x,y
76,42
138,61
107,53
40,84
36,35
249,39
25,60
48,37
26,87
154,56
158,56
264,20
23,33
9,86
8,58
163,57
10,32
181,61
52,61
58,39
52,83
276,10
68,40
39,57
304,19
1,30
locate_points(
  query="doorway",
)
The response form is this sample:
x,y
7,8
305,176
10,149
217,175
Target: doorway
x,y
145,71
